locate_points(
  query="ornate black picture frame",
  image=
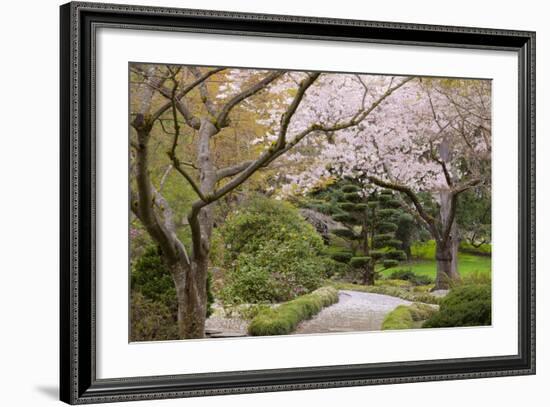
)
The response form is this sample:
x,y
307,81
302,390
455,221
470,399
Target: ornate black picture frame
x,y
78,382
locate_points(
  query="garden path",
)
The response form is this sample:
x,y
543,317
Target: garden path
x,y
355,311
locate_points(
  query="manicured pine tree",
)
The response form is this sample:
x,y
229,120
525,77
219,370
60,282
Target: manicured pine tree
x,y
370,223
383,221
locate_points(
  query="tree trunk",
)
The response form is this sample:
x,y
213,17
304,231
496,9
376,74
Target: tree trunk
x,y
455,242
446,246
368,275
407,249
191,290
368,272
444,259
192,300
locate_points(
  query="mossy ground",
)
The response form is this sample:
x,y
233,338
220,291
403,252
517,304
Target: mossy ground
x,y
408,317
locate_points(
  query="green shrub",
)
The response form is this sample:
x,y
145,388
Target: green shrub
x,y
342,256
378,254
151,320
345,233
249,311
407,317
387,227
275,272
409,275
396,254
151,278
466,305
359,262
333,268
343,217
263,220
272,254
284,319
389,263
422,312
475,277
349,188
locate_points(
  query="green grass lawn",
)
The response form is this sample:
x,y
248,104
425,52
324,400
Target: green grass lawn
x,y
424,259
467,264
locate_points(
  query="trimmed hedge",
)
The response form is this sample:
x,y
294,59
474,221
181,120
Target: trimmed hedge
x,y
284,319
404,317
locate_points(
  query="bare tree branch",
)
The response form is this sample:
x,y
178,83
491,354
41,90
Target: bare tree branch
x,y
467,185
443,165
221,119
188,177
169,224
191,120
146,200
205,98
232,170
164,177
430,221
413,212
172,153
454,200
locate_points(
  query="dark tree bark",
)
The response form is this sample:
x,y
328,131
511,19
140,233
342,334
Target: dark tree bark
x,y
368,275
446,253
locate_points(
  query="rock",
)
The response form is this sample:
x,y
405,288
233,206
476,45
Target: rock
x,y
439,293
324,224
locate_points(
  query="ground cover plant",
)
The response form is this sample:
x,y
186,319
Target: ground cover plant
x,y
286,317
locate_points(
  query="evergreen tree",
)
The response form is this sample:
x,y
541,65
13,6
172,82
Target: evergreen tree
x,y
405,232
370,223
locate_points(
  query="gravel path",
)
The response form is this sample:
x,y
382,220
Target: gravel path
x,y
223,327
355,311
220,325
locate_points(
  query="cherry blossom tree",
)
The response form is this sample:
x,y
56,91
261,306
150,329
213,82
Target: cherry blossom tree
x,y
304,104
434,136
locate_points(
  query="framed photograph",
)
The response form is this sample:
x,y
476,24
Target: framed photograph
x,y
254,203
